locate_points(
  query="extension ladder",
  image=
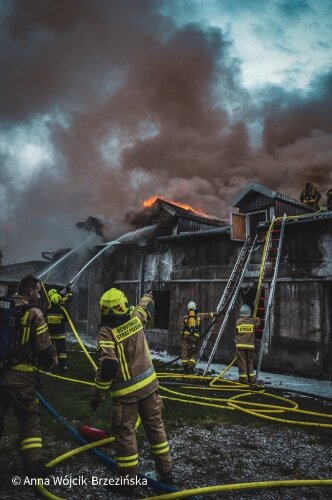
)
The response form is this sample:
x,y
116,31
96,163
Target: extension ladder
x,y
229,296
268,273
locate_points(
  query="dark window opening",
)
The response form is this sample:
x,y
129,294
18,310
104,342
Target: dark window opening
x,y
82,304
247,296
253,220
161,306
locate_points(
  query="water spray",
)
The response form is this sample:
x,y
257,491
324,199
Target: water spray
x,y
65,257
71,284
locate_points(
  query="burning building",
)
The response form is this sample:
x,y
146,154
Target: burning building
x,y
183,254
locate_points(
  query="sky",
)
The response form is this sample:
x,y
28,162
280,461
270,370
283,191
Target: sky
x,y
106,103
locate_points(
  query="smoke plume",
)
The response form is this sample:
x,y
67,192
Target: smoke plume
x,y
105,103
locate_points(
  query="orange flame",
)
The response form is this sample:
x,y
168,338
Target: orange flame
x,y
150,201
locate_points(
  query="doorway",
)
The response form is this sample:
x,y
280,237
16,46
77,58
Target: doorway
x,y
162,307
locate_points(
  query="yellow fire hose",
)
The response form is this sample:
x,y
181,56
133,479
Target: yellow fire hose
x,y
78,338
235,402
243,486
69,454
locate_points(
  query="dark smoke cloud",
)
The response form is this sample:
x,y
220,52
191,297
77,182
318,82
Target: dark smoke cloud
x,y
137,106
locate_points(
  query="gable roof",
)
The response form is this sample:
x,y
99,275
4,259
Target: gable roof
x,y
254,187
176,210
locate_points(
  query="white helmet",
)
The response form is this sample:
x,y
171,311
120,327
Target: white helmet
x,y
192,306
245,310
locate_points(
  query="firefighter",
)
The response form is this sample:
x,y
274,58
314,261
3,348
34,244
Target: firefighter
x,y
310,195
56,320
245,344
329,199
191,335
125,368
18,380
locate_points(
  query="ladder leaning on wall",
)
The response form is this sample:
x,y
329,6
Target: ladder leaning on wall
x,y
229,297
268,274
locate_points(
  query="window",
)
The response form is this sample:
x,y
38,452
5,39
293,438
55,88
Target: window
x,y
82,304
162,306
253,220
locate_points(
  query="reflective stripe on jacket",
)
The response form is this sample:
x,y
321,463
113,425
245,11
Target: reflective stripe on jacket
x,y
192,323
126,344
245,332
33,333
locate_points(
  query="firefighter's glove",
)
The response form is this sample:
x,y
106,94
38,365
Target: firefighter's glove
x,y
68,297
66,291
94,403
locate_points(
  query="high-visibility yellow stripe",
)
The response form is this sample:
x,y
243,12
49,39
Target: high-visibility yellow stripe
x,y
128,457
134,387
24,318
62,356
245,346
160,445
106,344
30,439
159,452
102,385
123,363
127,464
57,337
41,329
184,361
24,367
141,311
28,446
192,360
25,335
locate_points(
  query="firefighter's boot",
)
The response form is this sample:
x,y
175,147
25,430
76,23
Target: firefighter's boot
x,y
36,469
167,478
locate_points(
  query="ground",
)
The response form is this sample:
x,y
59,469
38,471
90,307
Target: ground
x,y
210,446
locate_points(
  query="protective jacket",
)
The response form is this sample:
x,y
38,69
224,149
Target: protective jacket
x,y
125,366
310,195
122,344
192,323
56,321
245,332
34,338
17,383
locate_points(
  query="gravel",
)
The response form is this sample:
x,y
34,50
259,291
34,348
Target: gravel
x,y
226,453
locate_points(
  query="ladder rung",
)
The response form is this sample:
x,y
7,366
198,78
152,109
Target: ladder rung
x,y
260,308
276,231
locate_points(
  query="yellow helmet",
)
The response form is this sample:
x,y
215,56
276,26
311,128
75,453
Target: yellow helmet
x,y
113,300
54,296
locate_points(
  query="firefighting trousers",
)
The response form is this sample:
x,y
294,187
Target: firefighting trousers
x,y
124,417
245,363
19,393
60,346
189,351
